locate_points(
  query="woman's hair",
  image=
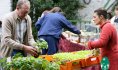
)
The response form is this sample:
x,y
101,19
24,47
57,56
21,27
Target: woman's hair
x,y
56,9
104,13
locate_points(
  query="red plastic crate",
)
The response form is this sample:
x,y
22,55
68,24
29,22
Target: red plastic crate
x,y
63,67
93,60
82,63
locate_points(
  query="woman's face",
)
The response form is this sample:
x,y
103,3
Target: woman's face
x,y
96,19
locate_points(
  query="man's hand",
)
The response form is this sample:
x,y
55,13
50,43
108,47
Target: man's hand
x,y
30,50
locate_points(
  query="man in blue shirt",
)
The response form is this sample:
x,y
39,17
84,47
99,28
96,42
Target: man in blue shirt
x,y
50,27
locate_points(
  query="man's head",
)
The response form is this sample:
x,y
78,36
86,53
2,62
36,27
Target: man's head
x,y
23,8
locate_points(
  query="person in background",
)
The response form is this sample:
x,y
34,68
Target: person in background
x,y
109,15
114,20
50,28
108,38
17,32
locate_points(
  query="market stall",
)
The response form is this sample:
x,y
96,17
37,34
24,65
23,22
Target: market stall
x,y
72,55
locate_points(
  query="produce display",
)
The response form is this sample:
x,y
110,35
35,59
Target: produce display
x,y
72,56
65,57
30,63
19,62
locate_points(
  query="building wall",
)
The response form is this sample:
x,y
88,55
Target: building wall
x,y
87,12
5,7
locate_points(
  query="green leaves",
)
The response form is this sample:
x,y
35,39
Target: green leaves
x,y
3,61
17,55
41,44
62,58
53,66
30,63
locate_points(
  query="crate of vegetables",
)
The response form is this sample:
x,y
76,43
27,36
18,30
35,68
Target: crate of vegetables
x,y
94,59
71,61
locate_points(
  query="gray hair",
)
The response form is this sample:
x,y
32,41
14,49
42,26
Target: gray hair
x,y
21,2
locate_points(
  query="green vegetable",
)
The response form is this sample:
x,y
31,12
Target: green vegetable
x,y
17,55
62,58
2,62
41,44
53,66
30,63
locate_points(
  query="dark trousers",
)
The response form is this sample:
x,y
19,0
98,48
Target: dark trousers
x,y
52,45
15,51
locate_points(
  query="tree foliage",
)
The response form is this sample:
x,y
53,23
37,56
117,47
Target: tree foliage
x,y
70,7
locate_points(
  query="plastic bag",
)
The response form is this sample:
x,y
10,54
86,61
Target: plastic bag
x,y
68,46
